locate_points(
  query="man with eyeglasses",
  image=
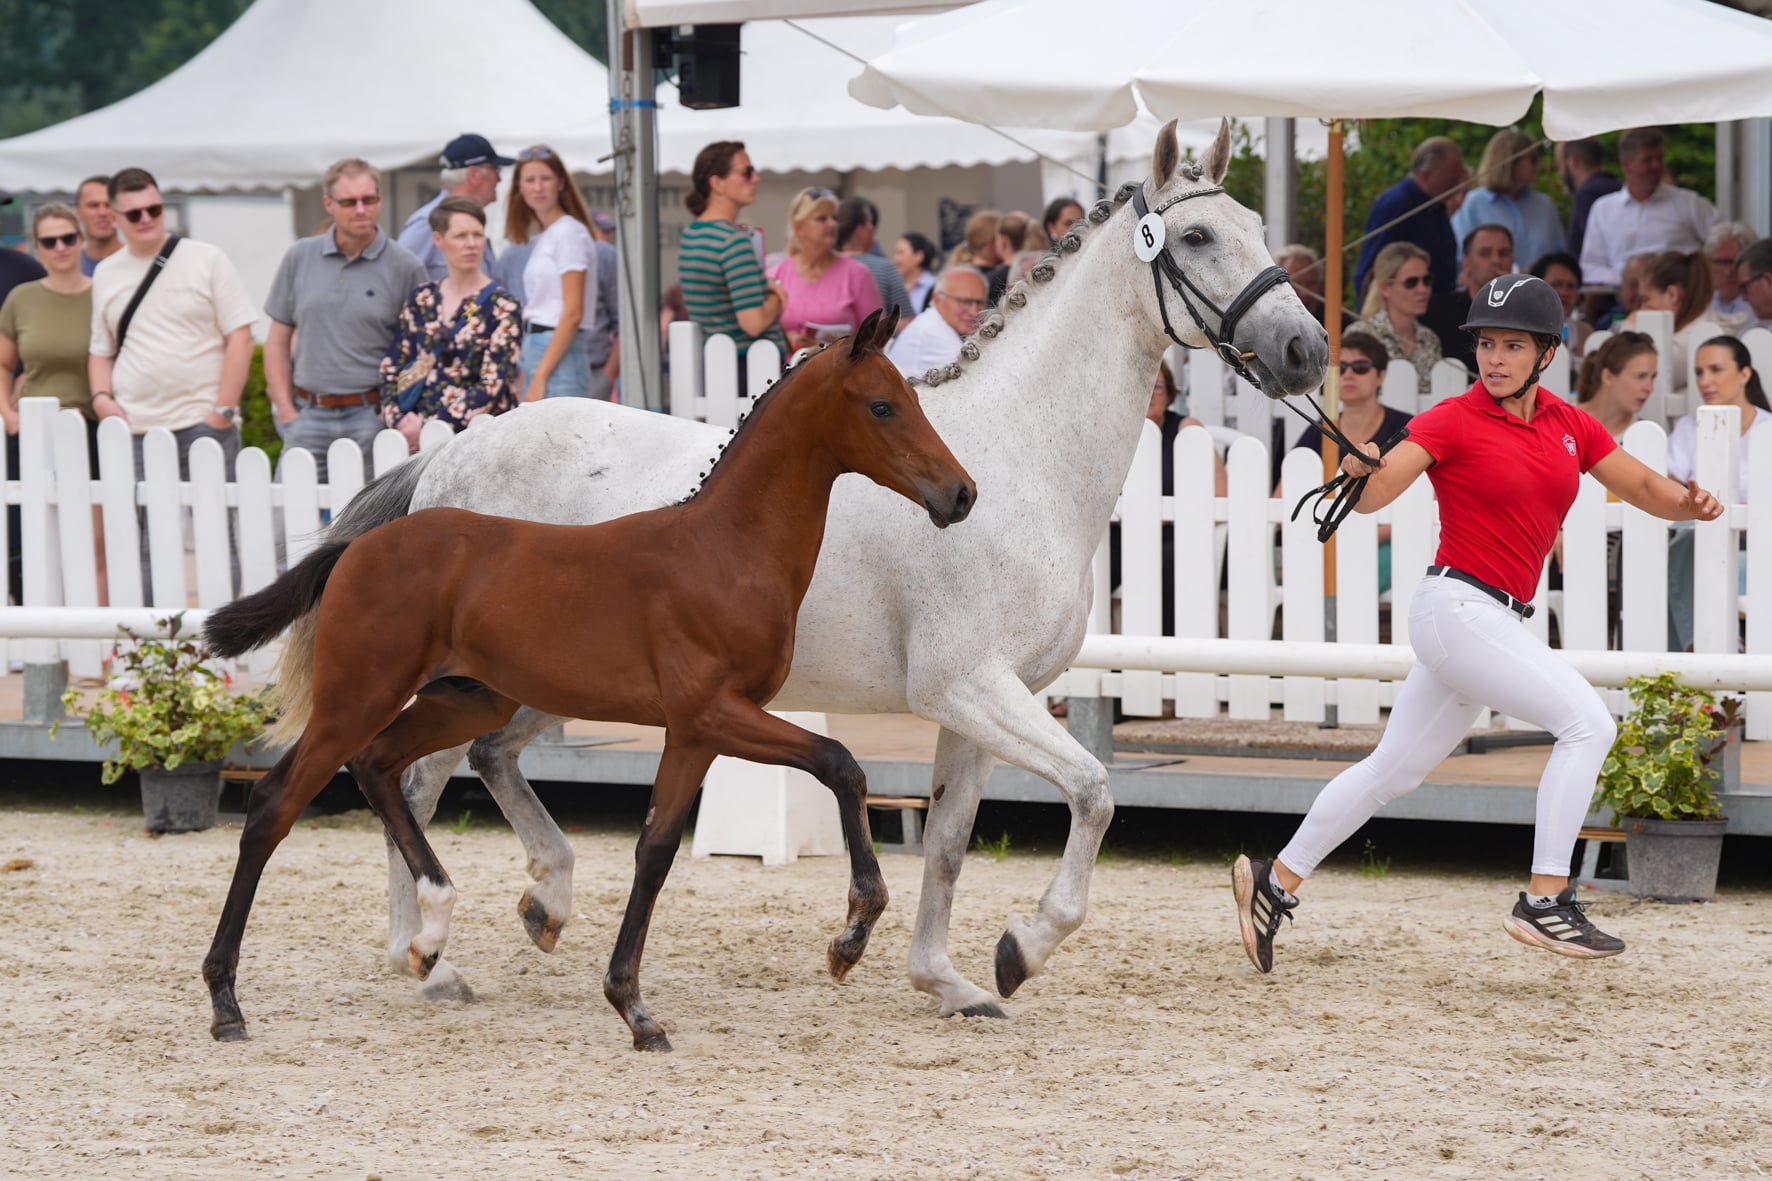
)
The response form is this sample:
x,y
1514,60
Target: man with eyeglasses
x,y
470,169
343,291
1753,270
1722,247
182,363
934,337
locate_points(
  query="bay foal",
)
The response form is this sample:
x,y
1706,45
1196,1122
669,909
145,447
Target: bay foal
x,y
682,617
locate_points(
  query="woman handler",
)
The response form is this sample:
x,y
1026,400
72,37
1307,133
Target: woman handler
x,y
1505,461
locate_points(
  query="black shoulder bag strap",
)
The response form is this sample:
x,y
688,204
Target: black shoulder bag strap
x,y
135,301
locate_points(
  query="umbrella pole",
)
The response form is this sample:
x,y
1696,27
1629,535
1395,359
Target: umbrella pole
x,y
1332,258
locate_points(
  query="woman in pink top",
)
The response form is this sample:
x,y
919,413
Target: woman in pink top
x,y
828,295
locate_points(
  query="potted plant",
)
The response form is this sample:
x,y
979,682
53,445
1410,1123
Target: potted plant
x,y
1661,781
173,719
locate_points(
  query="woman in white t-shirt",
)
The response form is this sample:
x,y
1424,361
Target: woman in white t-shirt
x,y
1726,377
547,213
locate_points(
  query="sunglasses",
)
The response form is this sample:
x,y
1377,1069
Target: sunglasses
x,y
1358,368
749,173
151,212
1414,281
814,195
357,202
538,152
51,241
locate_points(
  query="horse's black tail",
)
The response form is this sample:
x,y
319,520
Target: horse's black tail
x,y
259,618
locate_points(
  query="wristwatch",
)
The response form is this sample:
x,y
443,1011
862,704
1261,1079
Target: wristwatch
x,y
231,413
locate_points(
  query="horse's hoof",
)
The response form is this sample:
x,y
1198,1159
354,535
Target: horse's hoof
x,y
422,964
1012,971
653,1043
446,986
845,952
232,1031
544,929
987,1009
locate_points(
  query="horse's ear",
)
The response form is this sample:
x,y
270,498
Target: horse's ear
x,y
1218,160
864,336
1166,156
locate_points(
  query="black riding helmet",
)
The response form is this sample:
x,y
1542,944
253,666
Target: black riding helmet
x,y
1521,303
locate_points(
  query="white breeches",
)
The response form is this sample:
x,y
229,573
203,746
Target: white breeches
x,y
1470,652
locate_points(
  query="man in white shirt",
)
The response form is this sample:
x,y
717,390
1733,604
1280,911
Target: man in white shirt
x,y
1729,308
1645,215
183,362
933,338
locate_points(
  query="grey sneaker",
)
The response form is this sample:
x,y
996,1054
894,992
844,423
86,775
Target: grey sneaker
x,y
1259,909
1563,928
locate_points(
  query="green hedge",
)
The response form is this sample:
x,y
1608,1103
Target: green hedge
x,y
258,428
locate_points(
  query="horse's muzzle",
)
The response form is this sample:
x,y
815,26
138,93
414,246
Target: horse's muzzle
x,y
952,506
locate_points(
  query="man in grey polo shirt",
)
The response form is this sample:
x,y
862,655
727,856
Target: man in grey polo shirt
x,y
343,291
470,169
603,335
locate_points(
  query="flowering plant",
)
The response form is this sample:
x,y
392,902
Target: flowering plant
x,y
168,707
1660,767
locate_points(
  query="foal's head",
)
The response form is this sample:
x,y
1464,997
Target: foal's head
x,y
875,426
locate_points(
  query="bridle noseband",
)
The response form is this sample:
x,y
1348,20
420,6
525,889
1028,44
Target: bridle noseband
x,y
1164,266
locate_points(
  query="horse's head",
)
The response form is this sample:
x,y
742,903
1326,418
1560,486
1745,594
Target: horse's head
x,y
1217,284
876,427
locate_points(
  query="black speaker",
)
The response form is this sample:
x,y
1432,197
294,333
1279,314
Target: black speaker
x,y
707,66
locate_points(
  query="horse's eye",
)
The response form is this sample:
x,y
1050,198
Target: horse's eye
x,y
1194,238
880,409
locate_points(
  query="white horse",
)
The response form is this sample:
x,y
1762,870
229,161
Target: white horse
x,y
963,627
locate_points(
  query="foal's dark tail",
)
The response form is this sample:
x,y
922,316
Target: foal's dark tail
x,y
290,602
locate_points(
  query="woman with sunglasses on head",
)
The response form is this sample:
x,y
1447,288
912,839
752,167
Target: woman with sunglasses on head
x,y
547,212
45,326
828,295
1505,460
1395,302
720,262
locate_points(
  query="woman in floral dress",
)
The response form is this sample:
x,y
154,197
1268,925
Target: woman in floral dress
x,y
455,353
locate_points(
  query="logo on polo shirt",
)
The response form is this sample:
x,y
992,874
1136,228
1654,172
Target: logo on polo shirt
x,y
1498,294
1569,444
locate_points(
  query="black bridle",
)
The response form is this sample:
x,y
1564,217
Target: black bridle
x,y
1346,489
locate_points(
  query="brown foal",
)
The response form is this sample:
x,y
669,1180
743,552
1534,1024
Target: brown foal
x,y
682,617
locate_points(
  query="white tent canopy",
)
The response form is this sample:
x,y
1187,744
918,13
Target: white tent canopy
x,y
1480,60
651,14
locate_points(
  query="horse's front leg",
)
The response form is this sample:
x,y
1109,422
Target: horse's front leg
x,y
680,772
994,710
743,730
961,770
546,905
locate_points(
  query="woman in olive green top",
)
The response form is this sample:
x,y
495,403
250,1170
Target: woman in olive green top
x,y
46,326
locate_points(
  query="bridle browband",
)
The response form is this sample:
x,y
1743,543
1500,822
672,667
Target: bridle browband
x,y
1164,266
1342,492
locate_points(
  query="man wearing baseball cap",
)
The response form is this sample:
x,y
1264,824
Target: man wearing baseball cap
x,y
470,169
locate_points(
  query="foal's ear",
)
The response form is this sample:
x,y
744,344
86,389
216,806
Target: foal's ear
x,y
1218,160
1166,156
888,329
864,336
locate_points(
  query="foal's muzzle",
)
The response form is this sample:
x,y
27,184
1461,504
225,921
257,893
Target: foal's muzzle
x,y
951,506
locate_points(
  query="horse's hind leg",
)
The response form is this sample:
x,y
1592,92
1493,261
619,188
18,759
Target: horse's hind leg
x,y
735,726
545,905
445,713
276,802
680,772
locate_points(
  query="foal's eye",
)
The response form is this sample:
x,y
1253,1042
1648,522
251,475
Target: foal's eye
x,y
880,409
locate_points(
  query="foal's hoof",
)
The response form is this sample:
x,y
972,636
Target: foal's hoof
x,y
544,929
1012,971
422,963
655,1043
232,1031
845,951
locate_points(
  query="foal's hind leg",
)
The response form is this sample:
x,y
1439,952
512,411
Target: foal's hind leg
x,y
445,713
422,786
680,772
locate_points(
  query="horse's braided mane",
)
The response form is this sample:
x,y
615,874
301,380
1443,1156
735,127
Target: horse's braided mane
x,y
744,420
1044,271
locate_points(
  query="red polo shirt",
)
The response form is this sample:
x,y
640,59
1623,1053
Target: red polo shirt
x,y
1504,485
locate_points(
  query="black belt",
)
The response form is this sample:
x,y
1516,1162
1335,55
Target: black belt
x,y
1523,610
538,328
